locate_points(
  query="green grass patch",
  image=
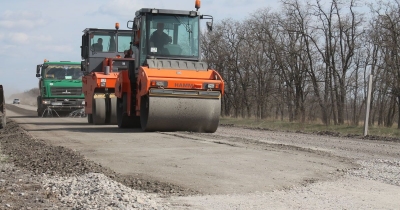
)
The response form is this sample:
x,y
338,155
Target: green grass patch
x,y
311,127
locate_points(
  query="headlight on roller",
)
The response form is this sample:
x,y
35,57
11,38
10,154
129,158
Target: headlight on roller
x,y
211,86
103,82
160,84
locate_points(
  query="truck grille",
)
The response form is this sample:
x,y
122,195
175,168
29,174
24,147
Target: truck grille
x,y
66,91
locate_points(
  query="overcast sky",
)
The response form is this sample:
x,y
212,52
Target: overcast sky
x,y
31,31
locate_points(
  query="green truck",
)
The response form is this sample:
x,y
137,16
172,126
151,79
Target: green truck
x,y
60,87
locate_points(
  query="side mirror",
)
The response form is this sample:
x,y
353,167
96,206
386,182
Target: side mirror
x,y
133,24
83,66
37,75
130,24
83,52
209,26
38,70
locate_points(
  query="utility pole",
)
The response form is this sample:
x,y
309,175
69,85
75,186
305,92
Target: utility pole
x,y
368,105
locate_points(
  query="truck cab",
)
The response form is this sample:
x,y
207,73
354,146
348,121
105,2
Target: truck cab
x,y
60,86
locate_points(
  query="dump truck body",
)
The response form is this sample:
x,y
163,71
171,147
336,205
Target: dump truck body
x,y
60,86
3,117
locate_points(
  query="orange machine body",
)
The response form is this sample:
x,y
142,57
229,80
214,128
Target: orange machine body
x,y
97,83
100,83
172,79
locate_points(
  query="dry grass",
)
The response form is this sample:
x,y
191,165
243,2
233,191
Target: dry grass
x,y
312,127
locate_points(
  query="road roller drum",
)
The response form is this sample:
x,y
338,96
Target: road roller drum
x,y
180,114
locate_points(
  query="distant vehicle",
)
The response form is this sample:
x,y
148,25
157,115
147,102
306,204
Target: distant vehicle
x,y
16,101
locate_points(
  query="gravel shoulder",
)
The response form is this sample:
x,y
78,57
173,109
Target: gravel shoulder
x,y
35,175
373,184
38,175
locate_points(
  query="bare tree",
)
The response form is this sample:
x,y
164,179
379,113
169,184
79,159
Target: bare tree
x,y
310,54
387,22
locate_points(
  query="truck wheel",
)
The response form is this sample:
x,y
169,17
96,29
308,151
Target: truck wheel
x,y
39,112
3,121
39,103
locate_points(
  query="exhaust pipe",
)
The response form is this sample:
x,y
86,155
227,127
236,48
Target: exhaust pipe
x,y
107,70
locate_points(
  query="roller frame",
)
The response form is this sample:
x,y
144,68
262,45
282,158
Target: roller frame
x,y
125,121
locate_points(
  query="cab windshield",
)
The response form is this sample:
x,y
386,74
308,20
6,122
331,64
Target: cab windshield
x,y
62,72
110,42
172,35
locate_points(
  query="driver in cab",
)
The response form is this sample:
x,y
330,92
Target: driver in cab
x,y
159,38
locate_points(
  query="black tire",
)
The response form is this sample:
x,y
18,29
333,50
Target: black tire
x,y
125,121
39,106
122,121
3,121
144,112
134,120
90,118
39,112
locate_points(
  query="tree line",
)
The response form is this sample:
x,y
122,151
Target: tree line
x,y
310,61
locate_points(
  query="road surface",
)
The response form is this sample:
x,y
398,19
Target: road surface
x,y
236,168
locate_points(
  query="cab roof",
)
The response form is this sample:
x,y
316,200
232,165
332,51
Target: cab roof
x,y
62,63
167,11
105,30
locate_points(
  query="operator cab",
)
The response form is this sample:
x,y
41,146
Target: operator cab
x,y
177,33
98,44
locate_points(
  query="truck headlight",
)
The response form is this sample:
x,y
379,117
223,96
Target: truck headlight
x,y
45,102
83,102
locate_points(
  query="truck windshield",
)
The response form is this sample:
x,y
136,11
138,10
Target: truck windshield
x,y
173,35
62,72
